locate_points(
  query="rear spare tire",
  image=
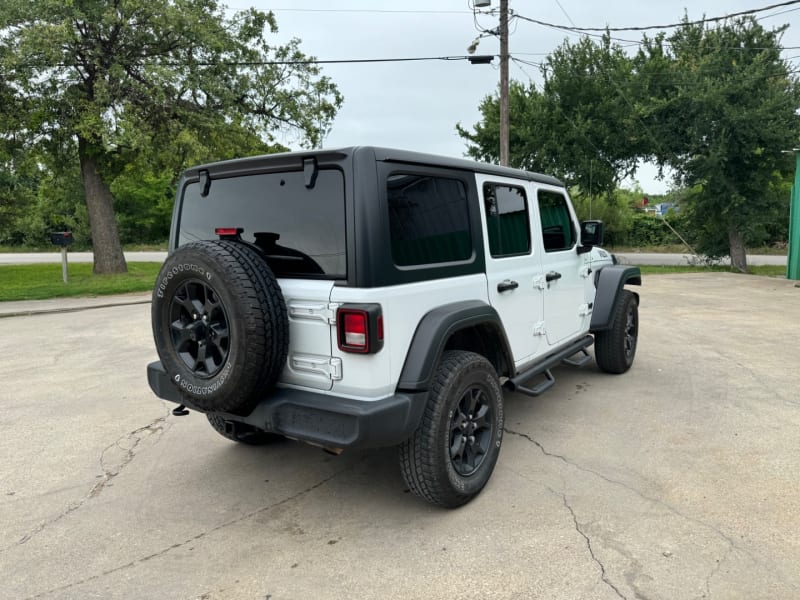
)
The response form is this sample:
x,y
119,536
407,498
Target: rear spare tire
x,y
220,324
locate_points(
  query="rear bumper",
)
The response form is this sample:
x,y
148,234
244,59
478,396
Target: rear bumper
x,y
316,418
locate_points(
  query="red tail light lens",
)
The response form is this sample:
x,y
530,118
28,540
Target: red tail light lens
x,y
228,232
355,330
359,328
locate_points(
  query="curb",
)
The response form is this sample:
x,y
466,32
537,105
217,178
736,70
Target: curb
x,y
29,312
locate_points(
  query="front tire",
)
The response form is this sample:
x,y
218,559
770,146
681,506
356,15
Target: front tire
x,y
451,456
616,348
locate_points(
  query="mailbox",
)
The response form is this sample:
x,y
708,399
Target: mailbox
x,y
61,238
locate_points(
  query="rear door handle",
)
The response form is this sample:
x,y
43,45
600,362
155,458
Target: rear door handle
x,y
507,285
552,276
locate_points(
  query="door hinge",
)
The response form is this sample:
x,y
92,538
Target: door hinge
x,y
584,310
313,311
539,329
586,271
318,365
540,282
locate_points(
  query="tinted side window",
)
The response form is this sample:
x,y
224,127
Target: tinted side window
x,y
507,220
301,230
558,230
428,220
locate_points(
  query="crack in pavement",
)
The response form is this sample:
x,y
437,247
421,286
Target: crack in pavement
x,y
199,536
137,436
716,570
639,493
156,427
603,574
732,546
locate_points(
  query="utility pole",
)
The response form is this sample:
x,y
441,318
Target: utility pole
x,y
504,83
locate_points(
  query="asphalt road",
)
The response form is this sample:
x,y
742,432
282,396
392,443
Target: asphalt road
x,y
633,258
679,480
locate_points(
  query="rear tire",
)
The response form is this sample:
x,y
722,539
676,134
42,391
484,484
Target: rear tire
x,y
615,349
451,456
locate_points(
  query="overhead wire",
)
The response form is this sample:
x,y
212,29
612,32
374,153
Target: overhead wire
x,y
613,81
667,26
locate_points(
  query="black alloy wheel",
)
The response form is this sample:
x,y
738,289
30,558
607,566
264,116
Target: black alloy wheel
x,y
199,328
471,430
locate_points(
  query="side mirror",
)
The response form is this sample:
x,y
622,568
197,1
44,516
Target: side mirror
x,y
591,235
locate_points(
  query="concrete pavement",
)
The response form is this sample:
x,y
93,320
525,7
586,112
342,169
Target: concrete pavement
x,y
678,480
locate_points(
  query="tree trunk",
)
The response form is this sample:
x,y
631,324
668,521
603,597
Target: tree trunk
x,y
738,254
108,256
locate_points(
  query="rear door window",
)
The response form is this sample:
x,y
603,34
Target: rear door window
x,y
428,220
300,230
506,220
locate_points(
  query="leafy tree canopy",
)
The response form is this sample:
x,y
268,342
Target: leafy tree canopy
x,y
722,105
715,103
157,82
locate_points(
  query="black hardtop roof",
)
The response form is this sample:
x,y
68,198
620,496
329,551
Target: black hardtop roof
x,y
230,167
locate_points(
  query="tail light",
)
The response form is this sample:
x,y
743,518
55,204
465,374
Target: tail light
x,y
229,233
359,328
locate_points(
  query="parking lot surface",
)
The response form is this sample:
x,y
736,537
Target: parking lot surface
x,y
679,479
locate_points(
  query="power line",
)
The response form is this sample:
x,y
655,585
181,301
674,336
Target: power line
x,y
668,26
371,10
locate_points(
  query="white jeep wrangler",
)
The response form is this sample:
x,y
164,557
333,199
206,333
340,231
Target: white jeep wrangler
x,y
368,297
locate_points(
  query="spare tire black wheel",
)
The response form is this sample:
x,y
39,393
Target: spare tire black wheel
x,y
220,324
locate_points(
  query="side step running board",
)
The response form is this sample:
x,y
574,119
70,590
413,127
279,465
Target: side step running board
x,y
578,361
540,388
566,355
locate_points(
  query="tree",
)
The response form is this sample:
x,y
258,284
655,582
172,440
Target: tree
x,y
112,81
722,107
577,126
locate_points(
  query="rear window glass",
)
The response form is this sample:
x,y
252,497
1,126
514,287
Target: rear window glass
x,y
428,220
300,230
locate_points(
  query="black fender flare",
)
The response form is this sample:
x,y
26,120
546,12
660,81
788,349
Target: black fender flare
x,y
436,328
609,282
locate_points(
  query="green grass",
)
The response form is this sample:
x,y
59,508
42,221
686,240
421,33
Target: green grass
x,y
764,270
39,282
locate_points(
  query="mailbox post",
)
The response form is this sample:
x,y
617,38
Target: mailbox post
x,y
63,239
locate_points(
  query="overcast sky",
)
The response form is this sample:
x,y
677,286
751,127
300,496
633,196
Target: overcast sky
x,y
416,105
